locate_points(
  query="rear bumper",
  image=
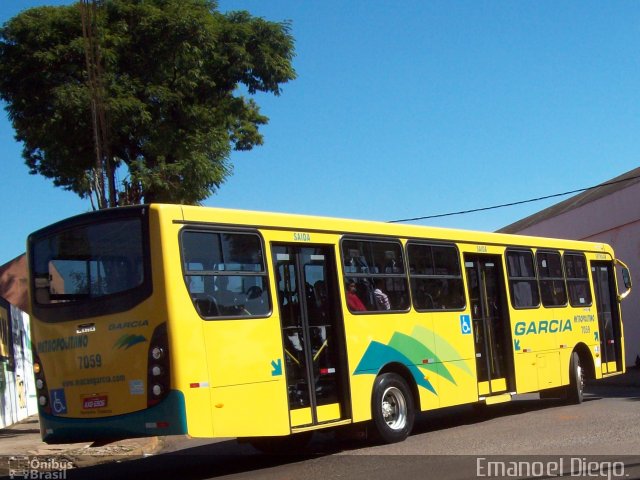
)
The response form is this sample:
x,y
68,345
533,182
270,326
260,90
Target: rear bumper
x,y
166,418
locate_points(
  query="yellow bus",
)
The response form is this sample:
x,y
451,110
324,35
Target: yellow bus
x,y
168,319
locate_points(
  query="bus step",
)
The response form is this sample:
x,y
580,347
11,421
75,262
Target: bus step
x,y
505,397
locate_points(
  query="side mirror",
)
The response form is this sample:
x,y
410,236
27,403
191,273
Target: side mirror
x,y
626,277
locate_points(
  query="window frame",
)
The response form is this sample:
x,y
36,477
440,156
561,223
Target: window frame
x,y
228,273
511,279
427,243
113,303
351,275
586,279
541,278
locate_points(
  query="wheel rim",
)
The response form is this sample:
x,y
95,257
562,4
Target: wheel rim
x,y
394,408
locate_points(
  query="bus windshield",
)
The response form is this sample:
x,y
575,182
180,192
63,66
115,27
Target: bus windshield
x,y
87,262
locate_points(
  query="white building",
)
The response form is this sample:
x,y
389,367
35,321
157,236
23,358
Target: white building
x,y
17,387
609,213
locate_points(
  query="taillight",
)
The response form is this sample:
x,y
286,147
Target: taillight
x,y
41,384
158,371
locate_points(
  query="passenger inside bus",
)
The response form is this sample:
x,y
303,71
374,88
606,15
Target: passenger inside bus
x,y
382,299
353,301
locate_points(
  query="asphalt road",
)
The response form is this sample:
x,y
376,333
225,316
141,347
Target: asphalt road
x,y
524,439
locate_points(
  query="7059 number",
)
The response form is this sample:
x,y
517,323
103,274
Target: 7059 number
x,y
89,361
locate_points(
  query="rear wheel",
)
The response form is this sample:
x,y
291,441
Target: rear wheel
x,y
392,407
575,389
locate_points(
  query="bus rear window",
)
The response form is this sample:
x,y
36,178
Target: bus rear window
x,y
88,262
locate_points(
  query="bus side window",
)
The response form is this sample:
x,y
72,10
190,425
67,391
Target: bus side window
x,y
224,273
523,283
436,278
377,269
551,276
578,283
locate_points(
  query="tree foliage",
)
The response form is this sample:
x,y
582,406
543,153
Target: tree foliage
x,y
173,73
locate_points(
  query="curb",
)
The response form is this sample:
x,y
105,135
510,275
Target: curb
x,y
22,440
124,450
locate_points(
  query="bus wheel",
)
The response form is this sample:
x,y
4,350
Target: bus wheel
x,y
294,444
575,390
392,408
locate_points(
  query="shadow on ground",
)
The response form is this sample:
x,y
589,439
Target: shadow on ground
x,y
222,458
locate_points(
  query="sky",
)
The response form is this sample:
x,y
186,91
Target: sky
x,y
408,108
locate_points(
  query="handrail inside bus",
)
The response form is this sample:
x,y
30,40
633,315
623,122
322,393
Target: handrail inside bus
x,y
626,277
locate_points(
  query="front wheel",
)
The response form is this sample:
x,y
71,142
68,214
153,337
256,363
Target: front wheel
x,y
575,389
392,408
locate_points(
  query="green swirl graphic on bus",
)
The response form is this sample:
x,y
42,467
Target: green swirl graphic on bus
x,y
412,351
129,340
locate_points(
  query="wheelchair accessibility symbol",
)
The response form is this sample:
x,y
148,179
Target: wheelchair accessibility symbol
x,y
58,401
465,324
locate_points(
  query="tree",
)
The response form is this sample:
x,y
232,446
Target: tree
x,y
172,73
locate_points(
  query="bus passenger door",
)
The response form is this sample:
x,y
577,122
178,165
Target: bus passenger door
x,y
490,324
312,334
608,316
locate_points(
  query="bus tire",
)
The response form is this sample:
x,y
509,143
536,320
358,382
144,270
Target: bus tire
x,y
575,389
392,408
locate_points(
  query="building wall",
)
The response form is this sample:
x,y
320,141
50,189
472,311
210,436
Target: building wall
x,y
614,219
13,282
17,386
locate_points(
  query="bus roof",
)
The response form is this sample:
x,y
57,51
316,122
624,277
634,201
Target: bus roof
x,y
308,223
